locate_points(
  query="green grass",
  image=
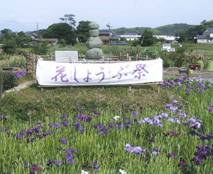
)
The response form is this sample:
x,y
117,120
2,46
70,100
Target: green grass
x,y
32,105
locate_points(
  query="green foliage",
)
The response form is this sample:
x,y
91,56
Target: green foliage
x,y
193,31
22,40
175,59
9,80
172,29
83,31
40,48
26,109
11,41
9,46
124,30
147,38
69,19
12,61
61,31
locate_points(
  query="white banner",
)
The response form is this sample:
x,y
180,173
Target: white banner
x,y
50,73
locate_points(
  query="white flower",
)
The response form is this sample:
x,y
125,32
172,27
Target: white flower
x,y
84,172
116,117
122,171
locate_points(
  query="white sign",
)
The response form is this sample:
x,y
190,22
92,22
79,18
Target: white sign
x,y
66,56
49,73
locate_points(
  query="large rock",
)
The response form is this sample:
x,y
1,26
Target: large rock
x,y
94,53
93,25
94,33
94,42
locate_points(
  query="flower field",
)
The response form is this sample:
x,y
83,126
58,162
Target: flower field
x,y
166,131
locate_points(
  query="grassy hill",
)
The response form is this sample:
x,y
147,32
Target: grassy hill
x,y
171,29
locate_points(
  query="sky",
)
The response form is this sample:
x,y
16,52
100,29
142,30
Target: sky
x,y
26,14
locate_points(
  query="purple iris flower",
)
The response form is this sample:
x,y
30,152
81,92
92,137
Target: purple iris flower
x,y
20,135
152,121
63,140
79,127
65,123
202,152
182,114
182,164
64,116
54,125
194,123
134,113
20,74
35,169
84,118
134,150
197,160
102,130
162,116
174,120
210,109
95,165
69,156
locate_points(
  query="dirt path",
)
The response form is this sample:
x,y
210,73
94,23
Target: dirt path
x,y
20,87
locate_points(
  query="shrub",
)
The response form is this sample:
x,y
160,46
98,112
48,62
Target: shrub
x,y
9,80
40,48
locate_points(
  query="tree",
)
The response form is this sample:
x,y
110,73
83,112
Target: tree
x,y
83,31
40,48
61,31
203,22
147,38
69,19
9,41
22,39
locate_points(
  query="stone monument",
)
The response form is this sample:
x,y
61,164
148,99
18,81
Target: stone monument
x,y
94,43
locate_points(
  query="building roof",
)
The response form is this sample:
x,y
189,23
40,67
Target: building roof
x,y
206,34
208,30
202,37
104,32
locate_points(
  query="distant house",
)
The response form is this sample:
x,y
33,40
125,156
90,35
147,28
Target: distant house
x,y
167,46
206,37
130,36
167,38
116,40
105,36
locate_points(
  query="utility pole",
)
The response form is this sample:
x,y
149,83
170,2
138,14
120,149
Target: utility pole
x,y
37,26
